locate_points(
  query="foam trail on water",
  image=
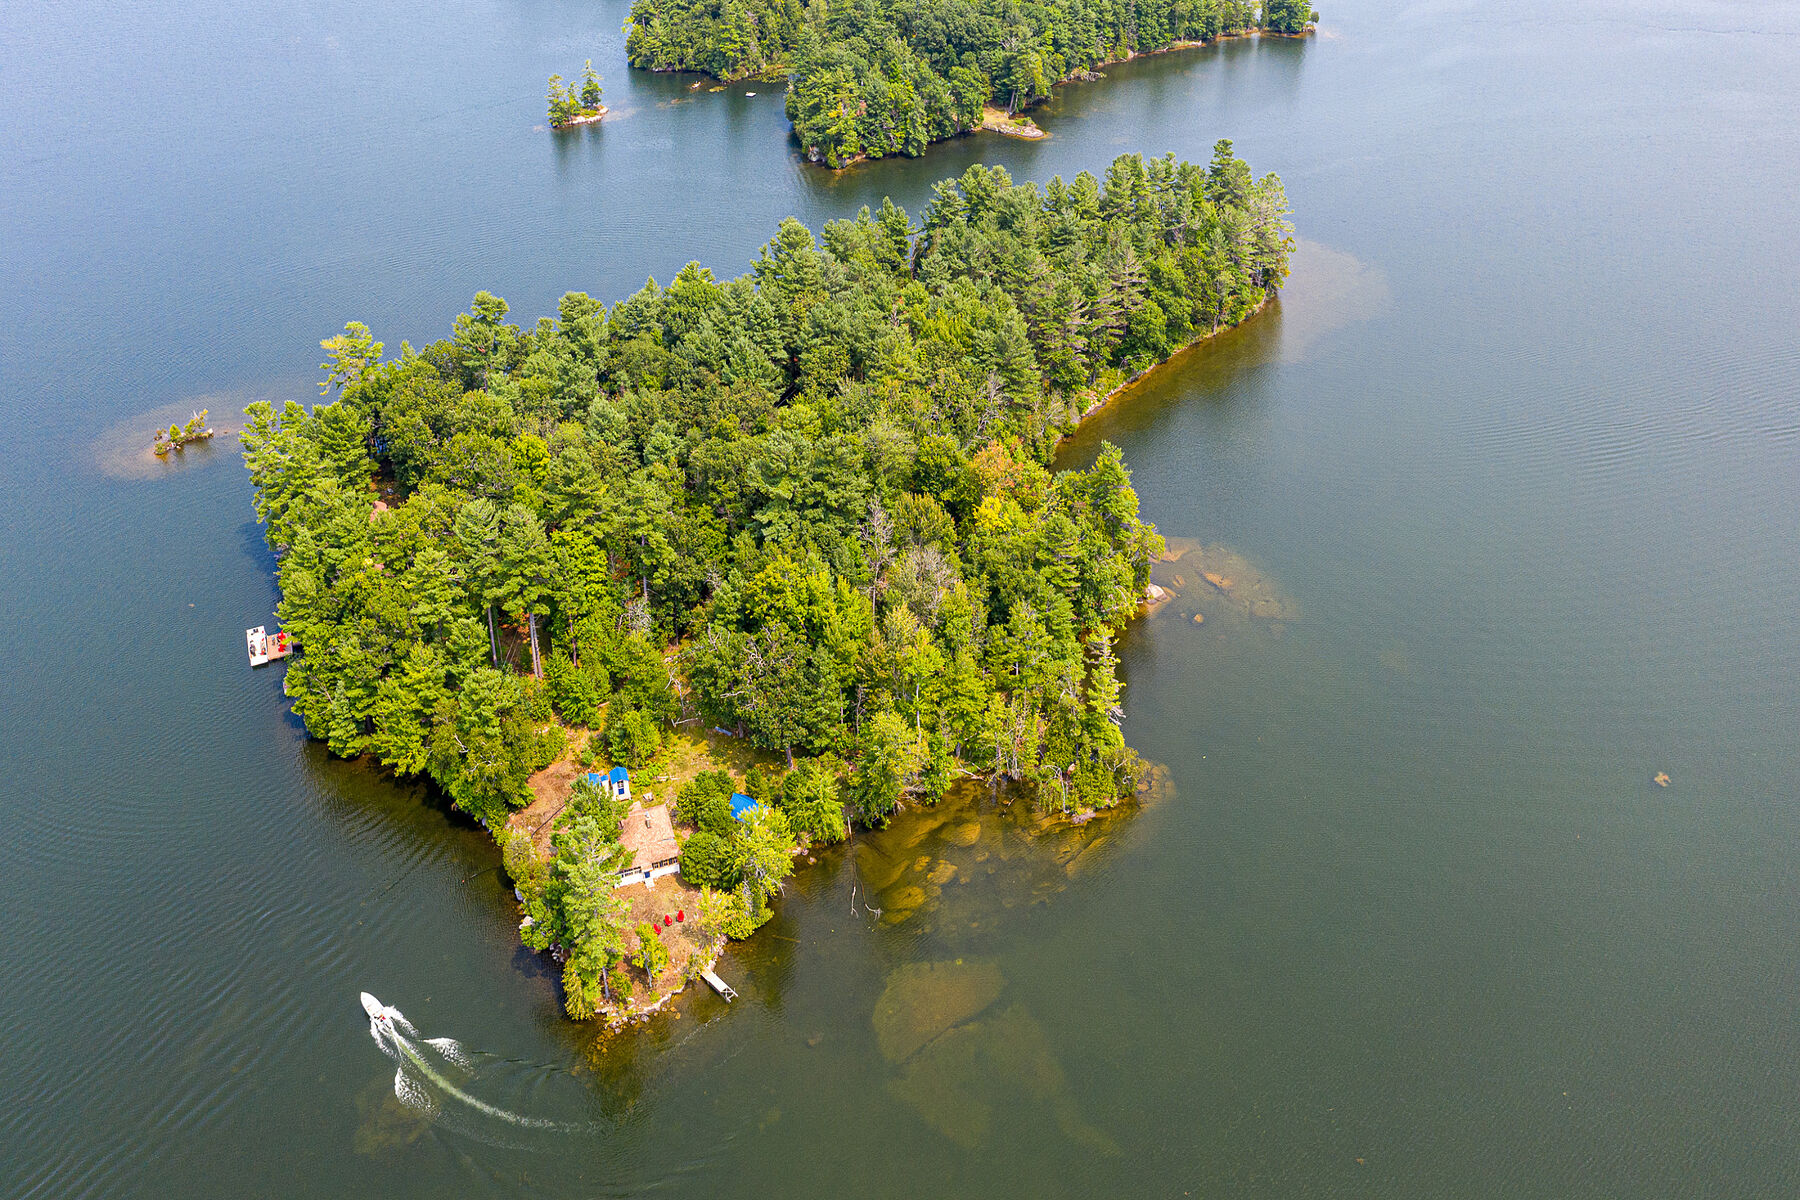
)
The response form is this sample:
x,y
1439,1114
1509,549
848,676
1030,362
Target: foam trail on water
x,y
397,1039
451,1051
411,1094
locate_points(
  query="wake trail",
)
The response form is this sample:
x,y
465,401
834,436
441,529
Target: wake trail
x,y
399,1040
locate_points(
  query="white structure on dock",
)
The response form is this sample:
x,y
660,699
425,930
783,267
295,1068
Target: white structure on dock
x,y
265,646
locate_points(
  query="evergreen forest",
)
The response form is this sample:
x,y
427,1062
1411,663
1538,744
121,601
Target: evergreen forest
x,y
811,505
872,78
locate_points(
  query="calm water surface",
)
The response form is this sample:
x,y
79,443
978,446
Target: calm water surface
x,y
1518,454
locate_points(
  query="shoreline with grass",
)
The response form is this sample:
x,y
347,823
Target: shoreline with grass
x,y
685,918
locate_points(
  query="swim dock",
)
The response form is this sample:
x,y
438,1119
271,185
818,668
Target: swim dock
x,y
265,646
719,985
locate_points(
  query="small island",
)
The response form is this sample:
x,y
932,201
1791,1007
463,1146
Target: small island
x,y
572,105
784,551
884,78
176,436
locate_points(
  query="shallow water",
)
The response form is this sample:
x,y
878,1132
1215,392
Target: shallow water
x,y
1519,443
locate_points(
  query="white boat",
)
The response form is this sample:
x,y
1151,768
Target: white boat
x,y
265,646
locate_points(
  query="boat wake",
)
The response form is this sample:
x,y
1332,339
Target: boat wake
x,y
425,1066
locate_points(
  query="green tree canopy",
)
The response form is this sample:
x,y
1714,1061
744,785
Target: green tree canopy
x,y
811,505
871,78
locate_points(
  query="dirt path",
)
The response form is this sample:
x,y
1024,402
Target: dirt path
x,y
549,792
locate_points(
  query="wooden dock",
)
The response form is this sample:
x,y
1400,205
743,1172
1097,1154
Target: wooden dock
x,y
719,985
266,646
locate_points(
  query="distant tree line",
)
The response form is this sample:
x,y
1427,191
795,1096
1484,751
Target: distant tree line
x,y
810,504
880,77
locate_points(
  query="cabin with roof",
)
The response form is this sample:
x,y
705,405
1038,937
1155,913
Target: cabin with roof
x,y
616,783
741,804
650,839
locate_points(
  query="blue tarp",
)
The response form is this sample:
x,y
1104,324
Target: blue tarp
x,y
741,804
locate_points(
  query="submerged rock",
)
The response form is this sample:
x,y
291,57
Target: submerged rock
x,y
962,1079
1230,581
1155,784
965,835
1087,856
906,897
922,1000
385,1124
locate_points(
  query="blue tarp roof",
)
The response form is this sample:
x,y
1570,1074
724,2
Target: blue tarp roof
x,y
619,775
741,804
594,778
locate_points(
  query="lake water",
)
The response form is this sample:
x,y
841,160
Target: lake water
x,y
1517,455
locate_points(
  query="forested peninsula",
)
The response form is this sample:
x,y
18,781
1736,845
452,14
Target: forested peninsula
x,y
872,78
810,506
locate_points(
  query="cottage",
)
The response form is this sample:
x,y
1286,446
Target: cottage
x,y
741,804
650,839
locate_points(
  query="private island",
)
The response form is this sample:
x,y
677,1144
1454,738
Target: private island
x,y
665,593
572,105
873,78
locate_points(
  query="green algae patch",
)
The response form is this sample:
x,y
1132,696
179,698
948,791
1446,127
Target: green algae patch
x,y
923,1000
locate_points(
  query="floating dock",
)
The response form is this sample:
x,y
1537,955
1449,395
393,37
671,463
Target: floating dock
x,y
265,646
719,985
